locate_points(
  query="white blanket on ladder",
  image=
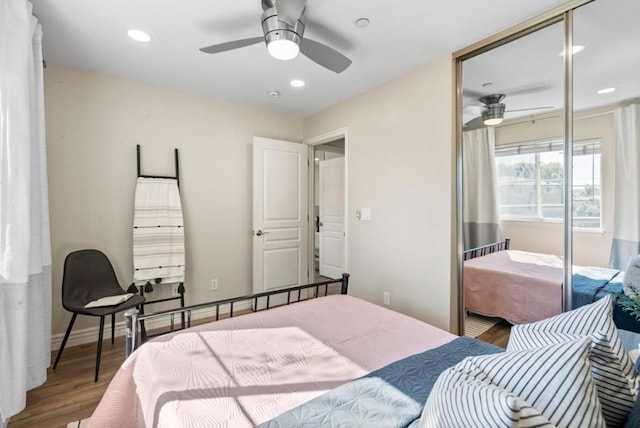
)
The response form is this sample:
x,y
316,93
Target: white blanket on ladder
x,y
158,232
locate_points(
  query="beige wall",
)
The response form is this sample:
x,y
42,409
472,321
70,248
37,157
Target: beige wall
x,y
93,125
399,151
591,248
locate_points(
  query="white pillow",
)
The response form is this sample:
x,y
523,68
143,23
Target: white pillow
x,y
631,279
615,377
544,387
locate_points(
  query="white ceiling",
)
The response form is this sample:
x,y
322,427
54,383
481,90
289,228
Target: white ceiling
x,y
403,35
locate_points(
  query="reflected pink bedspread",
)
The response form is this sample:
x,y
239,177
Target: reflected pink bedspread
x,y
518,286
243,371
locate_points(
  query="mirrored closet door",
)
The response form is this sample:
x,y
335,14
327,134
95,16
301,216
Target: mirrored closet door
x,y
512,186
606,151
549,157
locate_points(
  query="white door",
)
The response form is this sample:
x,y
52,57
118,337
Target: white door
x,y
280,221
331,195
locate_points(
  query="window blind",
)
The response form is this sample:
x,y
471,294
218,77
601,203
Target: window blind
x,y
583,147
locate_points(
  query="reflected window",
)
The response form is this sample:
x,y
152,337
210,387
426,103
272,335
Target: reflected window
x,y
530,177
517,185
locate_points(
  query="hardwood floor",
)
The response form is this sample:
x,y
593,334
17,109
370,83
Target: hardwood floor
x,y
498,334
69,394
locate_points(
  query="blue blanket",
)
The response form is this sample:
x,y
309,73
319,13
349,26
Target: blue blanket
x,y
588,283
586,290
392,396
623,319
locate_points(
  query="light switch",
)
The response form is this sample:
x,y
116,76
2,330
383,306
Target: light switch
x,y
365,214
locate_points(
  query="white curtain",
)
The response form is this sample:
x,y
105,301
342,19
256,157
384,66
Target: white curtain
x,y
25,253
626,217
481,219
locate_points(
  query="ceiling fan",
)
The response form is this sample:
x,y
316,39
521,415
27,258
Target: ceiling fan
x,y
283,27
493,109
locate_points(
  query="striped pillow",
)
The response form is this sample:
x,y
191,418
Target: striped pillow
x,y
544,387
615,377
517,389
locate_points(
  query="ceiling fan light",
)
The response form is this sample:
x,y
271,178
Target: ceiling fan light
x,y
493,114
283,49
493,121
283,40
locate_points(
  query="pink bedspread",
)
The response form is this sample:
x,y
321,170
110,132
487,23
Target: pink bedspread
x,y
243,371
518,286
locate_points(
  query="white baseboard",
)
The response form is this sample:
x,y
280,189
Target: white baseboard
x,y
90,335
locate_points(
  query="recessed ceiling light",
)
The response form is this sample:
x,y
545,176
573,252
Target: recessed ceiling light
x,y
576,49
274,94
317,159
139,35
362,22
606,90
297,83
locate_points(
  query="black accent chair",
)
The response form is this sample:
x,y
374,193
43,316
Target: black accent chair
x,y
88,276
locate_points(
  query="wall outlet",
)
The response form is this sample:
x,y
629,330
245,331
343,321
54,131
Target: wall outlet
x,y
214,284
174,290
386,296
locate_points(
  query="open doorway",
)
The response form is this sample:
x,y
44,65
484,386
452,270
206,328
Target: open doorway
x,y
328,210
328,237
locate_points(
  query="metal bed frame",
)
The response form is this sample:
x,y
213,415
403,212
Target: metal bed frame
x,y
483,250
135,319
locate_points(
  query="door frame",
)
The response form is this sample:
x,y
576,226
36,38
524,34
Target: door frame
x,y
311,143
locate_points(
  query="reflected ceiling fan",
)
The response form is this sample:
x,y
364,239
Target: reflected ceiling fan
x,y
283,27
491,109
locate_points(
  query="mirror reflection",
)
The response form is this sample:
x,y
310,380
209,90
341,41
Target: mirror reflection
x,y
513,169
513,182
606,158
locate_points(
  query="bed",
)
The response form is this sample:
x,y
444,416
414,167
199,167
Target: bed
x,y
331,360
523,287
245,371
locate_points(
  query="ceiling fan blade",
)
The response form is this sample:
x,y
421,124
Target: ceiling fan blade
x,y
325,56
290,10
528,89
226,24
477,121
473,109
223,47
531,108
328,34
471,94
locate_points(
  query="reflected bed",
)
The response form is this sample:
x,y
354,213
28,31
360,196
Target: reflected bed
x,y
523,287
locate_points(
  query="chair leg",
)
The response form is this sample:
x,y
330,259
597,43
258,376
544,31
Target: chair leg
x,y
181,291
113,326
99,353
64,341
